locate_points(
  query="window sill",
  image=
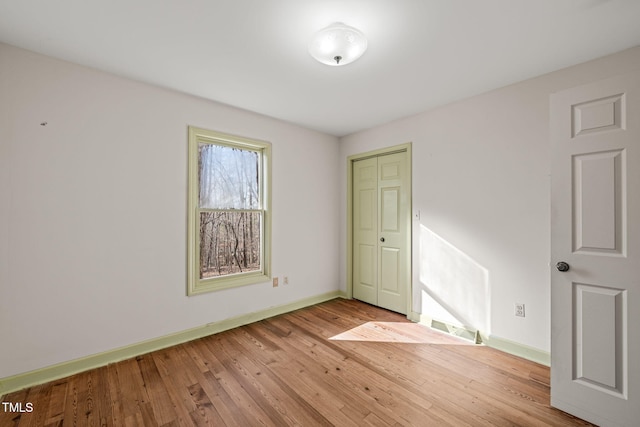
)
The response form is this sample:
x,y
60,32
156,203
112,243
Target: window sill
x,y
232,281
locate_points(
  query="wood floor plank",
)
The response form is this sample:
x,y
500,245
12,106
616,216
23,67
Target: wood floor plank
x,y
176,382
233,385
218,396
342,363
161,404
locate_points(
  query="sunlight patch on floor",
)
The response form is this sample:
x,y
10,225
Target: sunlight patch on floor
x,y
400,332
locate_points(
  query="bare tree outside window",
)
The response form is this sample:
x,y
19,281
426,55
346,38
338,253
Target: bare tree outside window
x,y
230,210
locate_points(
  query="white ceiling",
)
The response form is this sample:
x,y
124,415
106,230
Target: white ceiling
x,y
252,53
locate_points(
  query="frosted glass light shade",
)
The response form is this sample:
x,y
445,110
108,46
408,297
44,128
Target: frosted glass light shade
x,y
337,44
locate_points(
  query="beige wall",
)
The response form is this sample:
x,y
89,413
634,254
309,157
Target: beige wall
x,y
481,171
93,212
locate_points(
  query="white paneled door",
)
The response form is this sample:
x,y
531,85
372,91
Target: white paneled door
x,y
595,250
381,241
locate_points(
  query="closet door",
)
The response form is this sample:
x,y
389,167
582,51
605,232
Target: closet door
x,y
381,240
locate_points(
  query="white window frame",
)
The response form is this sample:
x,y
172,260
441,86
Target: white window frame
x,y
196,285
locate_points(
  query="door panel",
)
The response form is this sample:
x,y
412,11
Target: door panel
x,y
390,207
595,228
598,357
365,230
598,115
367,207
389,268
598,196
368,266
390,170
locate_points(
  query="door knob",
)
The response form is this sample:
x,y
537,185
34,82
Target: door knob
x,y
382,239
562,266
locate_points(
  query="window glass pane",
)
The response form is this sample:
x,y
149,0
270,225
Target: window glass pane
x,y
228,177
229,243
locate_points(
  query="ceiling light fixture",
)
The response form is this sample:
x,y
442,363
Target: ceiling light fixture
x,y
337,44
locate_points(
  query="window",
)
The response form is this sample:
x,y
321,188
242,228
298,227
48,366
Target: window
x,y
229,211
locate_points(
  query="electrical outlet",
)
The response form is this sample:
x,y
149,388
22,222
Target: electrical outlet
x,y
275,282
285,280
519,310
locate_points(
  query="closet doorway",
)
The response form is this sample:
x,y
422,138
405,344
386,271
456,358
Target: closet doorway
x,y
379,220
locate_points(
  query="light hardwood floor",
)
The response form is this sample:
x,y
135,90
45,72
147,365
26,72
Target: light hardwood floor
x,y
341,363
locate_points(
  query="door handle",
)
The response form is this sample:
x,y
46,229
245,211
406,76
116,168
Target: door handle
x,y
382,239
562,266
